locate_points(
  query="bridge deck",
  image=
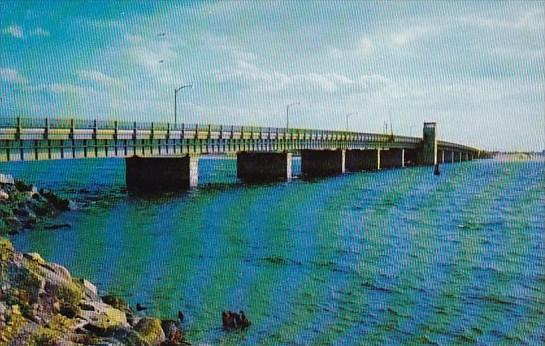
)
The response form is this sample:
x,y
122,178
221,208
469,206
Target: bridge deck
x,y
43,139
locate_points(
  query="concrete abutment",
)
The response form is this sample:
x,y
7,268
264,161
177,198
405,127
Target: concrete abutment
x,y
322,163
160,174
254,167
362,160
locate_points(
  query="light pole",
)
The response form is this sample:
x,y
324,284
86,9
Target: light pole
x,y
348,116
175,94
288,114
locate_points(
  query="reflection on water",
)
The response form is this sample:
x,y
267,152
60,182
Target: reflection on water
x,y
397,256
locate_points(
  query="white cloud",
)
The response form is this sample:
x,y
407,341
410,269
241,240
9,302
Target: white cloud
x,y
15,31
529,20
276,81
98,77
365,47
11,76
18,32
412,34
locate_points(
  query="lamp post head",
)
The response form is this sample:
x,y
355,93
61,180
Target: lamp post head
x,y
183,86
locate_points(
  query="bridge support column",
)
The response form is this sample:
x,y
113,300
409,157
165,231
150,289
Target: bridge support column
x,y
322,163
459,156
256,167
428,153
392,158
362,160
161,174
441,158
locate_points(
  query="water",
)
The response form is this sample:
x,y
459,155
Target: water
x,y
397,256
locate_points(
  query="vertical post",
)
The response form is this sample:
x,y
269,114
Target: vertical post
x,y
18,129
151,136
168,136
46,137
72,138
115,137
134,138
95,137
402,157
18,137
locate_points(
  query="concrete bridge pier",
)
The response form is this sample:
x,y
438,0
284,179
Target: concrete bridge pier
x,y
322,163
428,152
392,158
161,174
357,160
254,167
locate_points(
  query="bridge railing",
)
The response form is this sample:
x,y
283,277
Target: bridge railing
x,y
201,131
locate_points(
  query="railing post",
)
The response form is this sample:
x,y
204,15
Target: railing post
x,y
115,137
168,136
134,138
72,138
46,129
18,129
94,136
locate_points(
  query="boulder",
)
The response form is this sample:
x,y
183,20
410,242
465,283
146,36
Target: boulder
x,y
34,256
22,187
151,331
117,303
89,290
4,196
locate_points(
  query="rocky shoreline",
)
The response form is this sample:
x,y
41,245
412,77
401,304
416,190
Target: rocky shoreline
x,y
23,206
42,304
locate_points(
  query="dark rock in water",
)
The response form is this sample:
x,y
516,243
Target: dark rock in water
x,y
140,307
14,224
57,202
180,316
58,226
22,187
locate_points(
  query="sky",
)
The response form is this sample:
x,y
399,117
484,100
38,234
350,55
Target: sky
x,y
476,68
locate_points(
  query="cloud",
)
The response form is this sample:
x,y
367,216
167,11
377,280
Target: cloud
x,y
365,47
17,31
11,76
14,30
98,77
276,81
528,20
412,34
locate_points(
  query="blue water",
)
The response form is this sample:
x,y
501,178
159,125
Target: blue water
x,y
396,256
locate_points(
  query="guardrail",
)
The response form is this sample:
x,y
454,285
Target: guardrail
x,y
43,138
54,128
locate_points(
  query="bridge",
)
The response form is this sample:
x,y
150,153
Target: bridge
x,y
164,156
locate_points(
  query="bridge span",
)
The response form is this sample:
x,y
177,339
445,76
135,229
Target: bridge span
x,y
163,156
